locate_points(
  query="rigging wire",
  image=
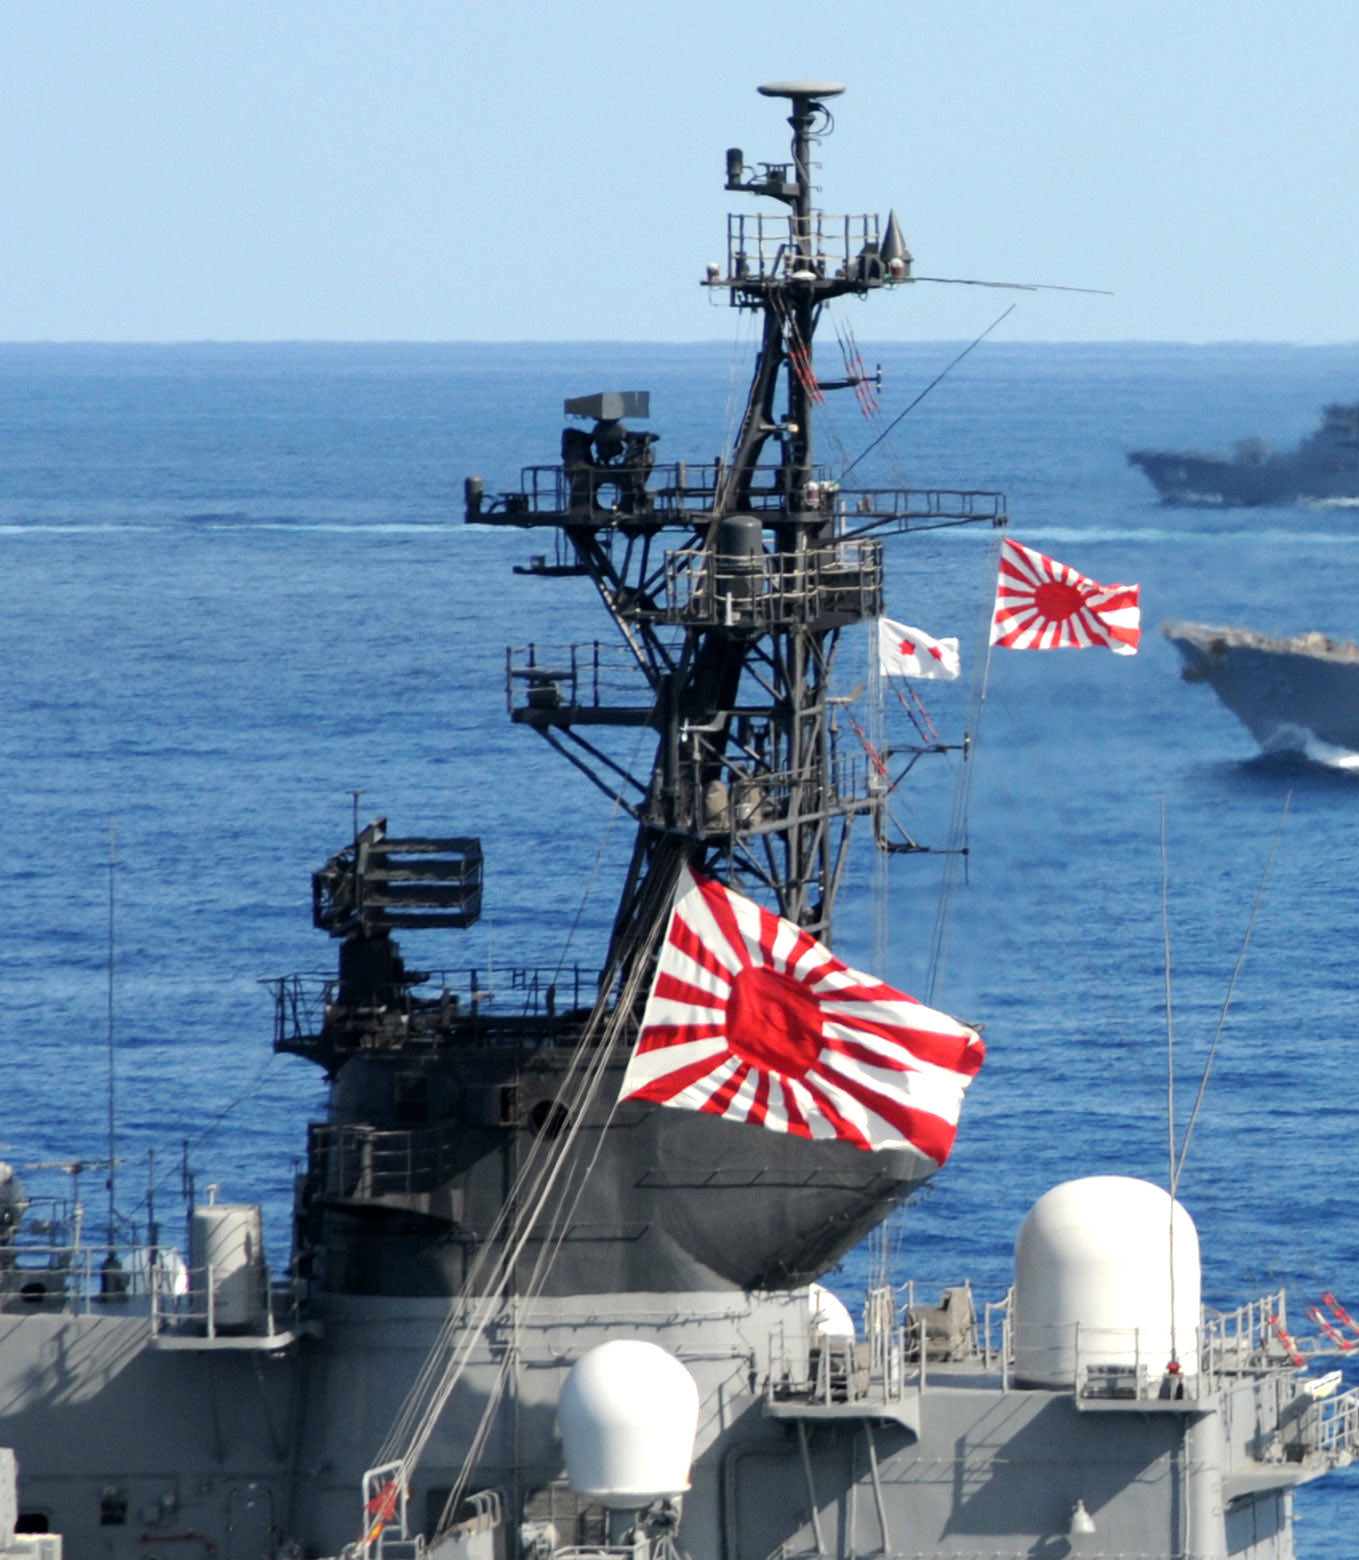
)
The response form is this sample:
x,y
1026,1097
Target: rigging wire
x,y
740,351
868,449
1173,1178
112,1097
958,843
598,863
404,1425
1231,990
524,1223
1170,1024
548,1251
880,896
448,1359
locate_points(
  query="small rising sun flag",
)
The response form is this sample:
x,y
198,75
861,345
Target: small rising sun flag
x,y
1045,605
908,652
751,1018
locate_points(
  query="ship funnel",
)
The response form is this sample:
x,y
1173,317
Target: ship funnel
x,y
628,1414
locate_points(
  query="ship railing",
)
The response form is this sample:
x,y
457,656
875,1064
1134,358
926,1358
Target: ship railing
x,y
153,1282
678,493
766,591
664,494
1252,1336
591,675
993,1333
365,1163
1335,1427
891,510
383,1516
1130,1362
84,1278
304,1005
761,245
821,1367
1314,1429
1133,1363
684,493
234,1300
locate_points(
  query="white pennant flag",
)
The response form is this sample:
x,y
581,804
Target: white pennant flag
x,y
906,652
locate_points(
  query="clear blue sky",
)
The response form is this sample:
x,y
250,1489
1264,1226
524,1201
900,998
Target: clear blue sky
x,y
509,170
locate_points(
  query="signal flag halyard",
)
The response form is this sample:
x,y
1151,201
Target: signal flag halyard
x,y
1045,605
908,652
751,1018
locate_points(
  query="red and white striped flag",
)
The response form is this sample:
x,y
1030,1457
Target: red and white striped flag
x,y
1045,605
907,652
751,1018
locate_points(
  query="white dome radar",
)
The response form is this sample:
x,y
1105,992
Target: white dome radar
x,y
628,1414
828,1313
1093,1282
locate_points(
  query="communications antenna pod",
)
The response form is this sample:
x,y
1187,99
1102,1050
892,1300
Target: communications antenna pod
x,y
1100,1283
628,1414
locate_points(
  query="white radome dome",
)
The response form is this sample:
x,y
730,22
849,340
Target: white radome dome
x,y
827,1313
1093,1279
629,1414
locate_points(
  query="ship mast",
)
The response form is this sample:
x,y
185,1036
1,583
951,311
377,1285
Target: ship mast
x,y
729,638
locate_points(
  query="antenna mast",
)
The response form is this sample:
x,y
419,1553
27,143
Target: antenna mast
x,y
729,634
112,1099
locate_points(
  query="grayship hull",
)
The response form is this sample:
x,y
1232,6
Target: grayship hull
x,y
1323,469
1290,694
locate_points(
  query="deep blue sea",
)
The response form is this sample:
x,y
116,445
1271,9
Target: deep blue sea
x,y
237,583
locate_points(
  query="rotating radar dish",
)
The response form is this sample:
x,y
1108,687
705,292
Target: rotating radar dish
x,y
801,89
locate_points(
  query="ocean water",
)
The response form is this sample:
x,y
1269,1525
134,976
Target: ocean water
x,y
236,585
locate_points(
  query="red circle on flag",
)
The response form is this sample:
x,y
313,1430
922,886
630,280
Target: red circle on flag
x,y
1057,601
773,1021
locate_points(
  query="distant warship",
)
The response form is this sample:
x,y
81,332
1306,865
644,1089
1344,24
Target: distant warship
x,y
1295,695
534,1311
1325,466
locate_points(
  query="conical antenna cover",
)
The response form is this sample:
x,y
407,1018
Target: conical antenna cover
x,y
894,245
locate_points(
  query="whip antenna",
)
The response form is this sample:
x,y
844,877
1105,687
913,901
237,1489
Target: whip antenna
x,y
112,1098
1170,1069
1231,986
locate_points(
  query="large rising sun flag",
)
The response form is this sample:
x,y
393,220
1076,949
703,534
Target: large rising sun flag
x,y
751,1018
1045,605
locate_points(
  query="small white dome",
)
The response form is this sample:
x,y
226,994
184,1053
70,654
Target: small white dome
x,y
1093,1281
828,1313
628,1414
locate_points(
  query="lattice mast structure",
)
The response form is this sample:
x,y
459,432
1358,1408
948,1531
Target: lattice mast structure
x,y
735,630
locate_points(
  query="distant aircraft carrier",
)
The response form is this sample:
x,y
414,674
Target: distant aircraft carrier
x,y
1293,695
1325,466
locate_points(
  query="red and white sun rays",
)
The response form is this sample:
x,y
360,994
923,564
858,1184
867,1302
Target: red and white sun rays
x,y
1045,605
751,1018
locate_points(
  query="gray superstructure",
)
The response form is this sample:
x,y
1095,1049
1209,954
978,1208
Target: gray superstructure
x,y
1294,695
477,1211
1323,468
